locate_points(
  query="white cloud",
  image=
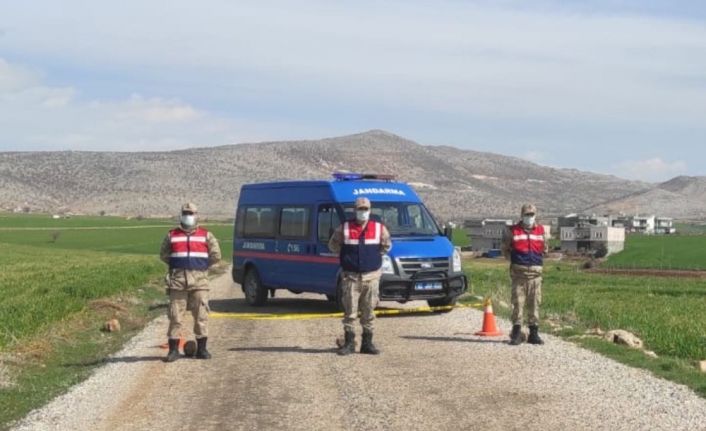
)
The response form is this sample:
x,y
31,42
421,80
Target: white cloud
x,y
302,67
158,110
34,116
455,57
13,77
652,170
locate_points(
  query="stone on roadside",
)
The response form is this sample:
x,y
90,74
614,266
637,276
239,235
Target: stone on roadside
x,y
112,325
651,354
621,336
596,331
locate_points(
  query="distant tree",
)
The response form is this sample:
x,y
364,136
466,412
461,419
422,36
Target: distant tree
x,y
102,213
55,236
26,209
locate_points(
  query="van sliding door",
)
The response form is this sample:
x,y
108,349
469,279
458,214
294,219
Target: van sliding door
x,y
295,248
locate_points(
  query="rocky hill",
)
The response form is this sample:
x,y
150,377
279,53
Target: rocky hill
x,y
455,183
681,197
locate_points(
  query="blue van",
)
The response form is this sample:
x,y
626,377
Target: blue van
x,y
282,230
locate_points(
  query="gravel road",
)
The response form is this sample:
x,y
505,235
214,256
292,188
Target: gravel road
x,y
433,374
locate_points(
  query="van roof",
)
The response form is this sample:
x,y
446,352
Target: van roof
x,y
318,190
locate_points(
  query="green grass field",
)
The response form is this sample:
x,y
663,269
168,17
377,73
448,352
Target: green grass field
x,y
41,286
142,237
52,270
661,252
667,313
691,228
46,221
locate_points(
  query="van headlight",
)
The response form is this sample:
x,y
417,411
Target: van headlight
x,y
387,267
456,267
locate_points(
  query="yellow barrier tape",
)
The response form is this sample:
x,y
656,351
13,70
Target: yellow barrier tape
x,y
307,316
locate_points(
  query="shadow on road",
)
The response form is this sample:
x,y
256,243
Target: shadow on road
x,y
123,359
294,305
284,349
274,305
456,339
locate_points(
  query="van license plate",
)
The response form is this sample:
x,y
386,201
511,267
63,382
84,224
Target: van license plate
x,y
428,285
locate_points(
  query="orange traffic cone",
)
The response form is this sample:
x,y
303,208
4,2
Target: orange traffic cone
x,y
182,341
489,328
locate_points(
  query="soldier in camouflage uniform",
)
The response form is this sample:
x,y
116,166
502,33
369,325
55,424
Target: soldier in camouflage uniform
x,y
361,243
189,250
525,244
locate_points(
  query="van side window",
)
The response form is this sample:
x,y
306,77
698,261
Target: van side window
x,y
294,222
259,222
328,221
239,221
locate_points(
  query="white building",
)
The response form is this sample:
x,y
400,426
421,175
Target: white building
x,y
648,224
588,238
487,234
643,224
664,225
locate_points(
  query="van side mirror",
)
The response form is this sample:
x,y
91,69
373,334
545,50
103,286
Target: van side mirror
x,y
449,233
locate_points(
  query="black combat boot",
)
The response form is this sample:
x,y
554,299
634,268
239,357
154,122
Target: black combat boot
x,y
516,335
533,337
349,345
201,352
367,345
173,354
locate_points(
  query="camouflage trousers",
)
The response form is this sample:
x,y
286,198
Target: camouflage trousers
x,y
195,301
526,291
359,295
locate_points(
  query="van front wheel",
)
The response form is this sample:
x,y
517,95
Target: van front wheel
x,y
255,292
442,302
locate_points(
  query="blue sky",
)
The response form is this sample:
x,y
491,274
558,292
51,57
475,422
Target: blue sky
x,y
616,87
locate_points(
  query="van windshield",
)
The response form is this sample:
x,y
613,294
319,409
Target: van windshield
x,y
401,218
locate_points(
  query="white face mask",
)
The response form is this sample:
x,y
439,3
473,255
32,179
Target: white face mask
x,y
528,220
362,215
188,220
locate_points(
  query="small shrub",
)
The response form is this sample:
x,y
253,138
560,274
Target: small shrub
x,y
601,251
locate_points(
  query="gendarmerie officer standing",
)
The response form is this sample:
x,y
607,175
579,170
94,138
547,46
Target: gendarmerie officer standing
x,y
189,250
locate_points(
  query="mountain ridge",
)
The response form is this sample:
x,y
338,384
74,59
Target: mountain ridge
x,y
455,183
